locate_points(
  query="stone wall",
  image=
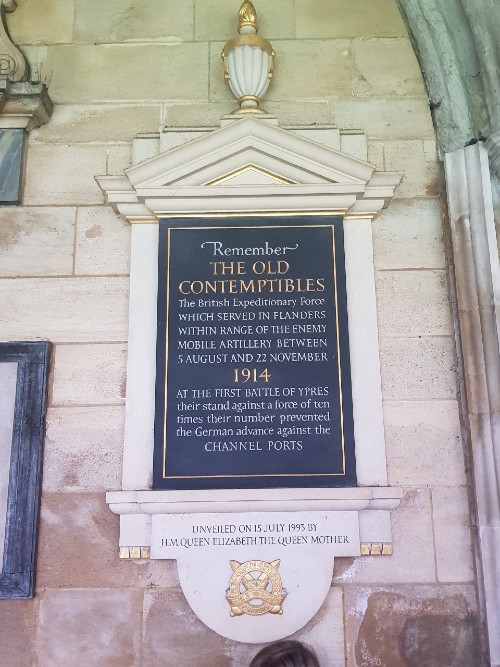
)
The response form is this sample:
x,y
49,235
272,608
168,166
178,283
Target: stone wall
x,y
120,68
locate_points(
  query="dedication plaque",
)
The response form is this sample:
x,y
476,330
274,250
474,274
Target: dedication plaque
x,y
253,380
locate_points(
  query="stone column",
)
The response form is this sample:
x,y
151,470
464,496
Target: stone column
x,y
141,366
477,275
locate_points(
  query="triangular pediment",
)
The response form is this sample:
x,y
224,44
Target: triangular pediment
x,y
249,142
249,165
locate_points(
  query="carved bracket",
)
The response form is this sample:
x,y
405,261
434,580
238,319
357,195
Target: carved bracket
x,y
24,104
13,64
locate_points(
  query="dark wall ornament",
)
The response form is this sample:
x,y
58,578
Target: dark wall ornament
x,y
27,363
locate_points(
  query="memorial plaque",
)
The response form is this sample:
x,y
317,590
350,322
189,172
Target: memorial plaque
x,y
253,380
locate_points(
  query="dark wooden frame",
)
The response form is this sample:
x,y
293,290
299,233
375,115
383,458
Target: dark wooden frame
x,y
18,571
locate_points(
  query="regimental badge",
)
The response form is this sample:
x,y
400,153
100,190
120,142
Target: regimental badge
x,y
255,588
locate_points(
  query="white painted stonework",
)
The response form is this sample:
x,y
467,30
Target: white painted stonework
x,y
303,543
205,176
251,166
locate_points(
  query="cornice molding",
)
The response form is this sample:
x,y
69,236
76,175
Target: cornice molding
x,y
24,105
222,173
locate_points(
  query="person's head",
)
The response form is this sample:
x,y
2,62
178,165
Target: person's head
x,y
286,653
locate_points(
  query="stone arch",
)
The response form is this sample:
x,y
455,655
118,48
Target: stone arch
x,y
458,47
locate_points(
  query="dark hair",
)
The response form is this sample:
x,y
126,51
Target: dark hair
x,y
286,653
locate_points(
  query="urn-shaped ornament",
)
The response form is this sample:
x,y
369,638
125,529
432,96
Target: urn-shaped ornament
x,y
248,62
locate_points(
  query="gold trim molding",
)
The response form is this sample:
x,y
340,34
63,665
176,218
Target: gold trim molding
x,y
376,548
135,553
251,167
247,40
353,216
246,214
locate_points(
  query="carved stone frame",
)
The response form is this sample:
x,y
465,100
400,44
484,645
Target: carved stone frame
x,y
250,166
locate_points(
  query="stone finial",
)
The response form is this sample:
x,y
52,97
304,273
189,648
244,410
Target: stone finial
x,y
13,65
248,62
247,18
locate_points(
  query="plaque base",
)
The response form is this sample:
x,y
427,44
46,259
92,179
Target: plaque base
x,y
255,576
257,565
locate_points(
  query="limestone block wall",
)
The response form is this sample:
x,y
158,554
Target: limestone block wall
x,y
120,68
